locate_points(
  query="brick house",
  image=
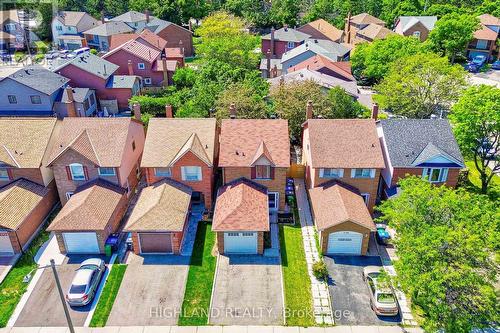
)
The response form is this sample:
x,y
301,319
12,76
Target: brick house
x,y
417,26
321,29
355,24
160,218
319,63
88,150
241,217
175,35
420,147
185,150
484,41
99,37
282,40
27,187
259,150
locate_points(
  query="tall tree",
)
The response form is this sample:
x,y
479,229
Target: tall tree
x,y
342,105
248,101
476,120
421,85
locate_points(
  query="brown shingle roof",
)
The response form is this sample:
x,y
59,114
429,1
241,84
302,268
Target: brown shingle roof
x,y
375,31
241,138
119,39
150,38
326,29
17,200
102,140
141,50
242,205
334,203
488,19
24,141
90,208
163,206
342,68
365,18
344,143
485,33
169,138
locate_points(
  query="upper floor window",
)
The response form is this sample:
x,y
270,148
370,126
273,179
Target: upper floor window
x,y
331,173
4,174
77,172
290,45
363,173
191,173
107,172
262,172
435,175
482,44
141,65
10,26
416,34
163,172
36,99
59,27
366,197
12,99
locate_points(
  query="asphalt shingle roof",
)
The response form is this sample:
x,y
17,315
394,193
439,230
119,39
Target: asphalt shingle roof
x,y
92,64
288,35
130,16
39,78
109,29
122,81
409,21
322,47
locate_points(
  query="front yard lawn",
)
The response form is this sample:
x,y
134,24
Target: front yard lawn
x,y
108,295
200,279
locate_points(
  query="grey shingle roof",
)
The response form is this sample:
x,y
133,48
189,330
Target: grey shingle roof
x,y
92,64
156,25
288,35
39,78
79,95
409,21
413,141
109,29
324,47
122,81
130,16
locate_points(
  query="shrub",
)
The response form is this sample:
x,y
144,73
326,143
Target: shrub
x,y
320,271
155,106
93,51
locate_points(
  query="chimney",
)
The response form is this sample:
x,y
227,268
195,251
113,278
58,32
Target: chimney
x,y
268,63
272,42
169,113
309,110
375,111
70,104
130,68
232,111
137,111
146,12
348,28
102,17
165,71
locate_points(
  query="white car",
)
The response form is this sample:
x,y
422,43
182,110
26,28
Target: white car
x,y
382,298
86,281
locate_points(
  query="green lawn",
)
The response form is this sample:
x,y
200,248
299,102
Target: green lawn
x,y
298,297
13,287
475,182
200,279
107,299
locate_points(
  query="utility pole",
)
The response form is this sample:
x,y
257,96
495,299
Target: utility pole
x,y
61,294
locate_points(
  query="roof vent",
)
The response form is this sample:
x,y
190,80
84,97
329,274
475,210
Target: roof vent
x,y
237,153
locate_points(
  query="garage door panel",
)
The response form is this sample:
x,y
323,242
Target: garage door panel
x,y
345,242
240,242
156,242
5,245
81,242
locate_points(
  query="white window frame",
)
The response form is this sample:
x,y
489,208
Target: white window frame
x,y
107,174
69,195
12,99
331,173
147,80
141,65
77,177
38,99
188,175
363,170
268,169
416,34
276,201
10,27
290,45
6,177
366,197
158,172
442,177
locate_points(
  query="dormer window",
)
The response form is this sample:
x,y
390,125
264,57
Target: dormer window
x,y
77,171
262,172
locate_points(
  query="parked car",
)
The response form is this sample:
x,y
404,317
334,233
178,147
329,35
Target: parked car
x,y
63,54
479,60
77,52
382,298
472,68
382,235
495,65
85,282
52,55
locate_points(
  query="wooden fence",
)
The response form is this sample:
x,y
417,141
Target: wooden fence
x,y
297,171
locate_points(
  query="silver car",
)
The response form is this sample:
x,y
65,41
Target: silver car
x,y
382,298
85,283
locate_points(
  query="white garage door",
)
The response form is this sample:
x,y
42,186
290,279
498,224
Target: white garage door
x,y
345,242
5,245
240,242
81,242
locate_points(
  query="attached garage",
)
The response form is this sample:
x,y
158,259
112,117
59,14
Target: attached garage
x,y
5,245
81,242
156,243
240,242
345,242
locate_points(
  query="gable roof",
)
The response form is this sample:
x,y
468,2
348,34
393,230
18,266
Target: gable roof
x,y
141,50
17,201
485,33
24,141
89,208
375,31
80,20
365,18
145,37
323,47
10,14
488,19
342,68
109,29
168,139
101,140
262,152
344,143
130,16
288,35
409,21
40,79
413,141
242,205
324,28
156,25
334,203
162,206
240,140
92,64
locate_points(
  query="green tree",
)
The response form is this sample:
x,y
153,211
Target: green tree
x,y
476,123
249,102
285,12
342,105
421,85
452,33
254,11
446,242
371,61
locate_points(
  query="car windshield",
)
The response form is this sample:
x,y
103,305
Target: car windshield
x,y
77,289
386,298
90,266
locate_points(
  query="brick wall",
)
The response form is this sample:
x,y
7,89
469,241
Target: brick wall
x,y
35,175
347,226
418,27
280,47
173,34
260,242
400,173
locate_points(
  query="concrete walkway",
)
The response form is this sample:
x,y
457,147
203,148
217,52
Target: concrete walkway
x,y
190,235
321,296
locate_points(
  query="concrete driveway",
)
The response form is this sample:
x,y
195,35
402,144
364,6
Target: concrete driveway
x,y
151,292
350,294
248,291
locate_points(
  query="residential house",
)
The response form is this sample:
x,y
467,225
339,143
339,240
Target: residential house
x,y
277,42
371,33
96,167
100,36
484,41
321,29
417,26
136,58
241,217
90,71
76,102
324,65
160,218
185,150
135,20
175,35
356,23
68,28
331,50
420,147
259,150
27,187
13,36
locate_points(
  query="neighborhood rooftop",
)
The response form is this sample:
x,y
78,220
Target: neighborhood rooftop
x,y
92,64
288,34
39,78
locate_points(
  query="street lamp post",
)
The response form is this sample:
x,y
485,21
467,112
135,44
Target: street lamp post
x,y
61,294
